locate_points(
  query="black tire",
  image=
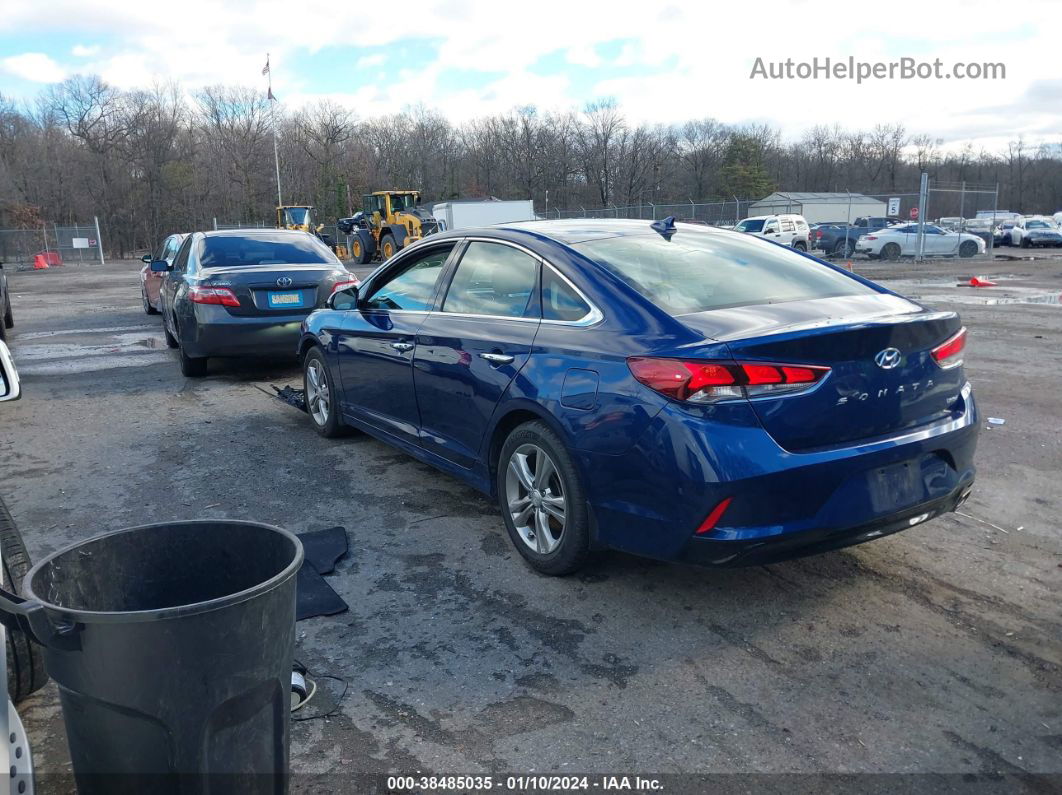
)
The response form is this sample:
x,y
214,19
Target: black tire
x,y
25,660
890,252
573,544
1025,243
800,245
171,341
9,319
191,366
148,308
358,252
388,248
967,249
331,426
844,248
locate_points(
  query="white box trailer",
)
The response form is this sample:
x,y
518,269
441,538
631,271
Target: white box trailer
x,y
465,214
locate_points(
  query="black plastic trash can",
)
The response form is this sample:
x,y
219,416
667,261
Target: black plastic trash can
x,y
172,647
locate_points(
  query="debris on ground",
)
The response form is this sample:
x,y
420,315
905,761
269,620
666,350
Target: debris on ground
x,y
996,420
291,396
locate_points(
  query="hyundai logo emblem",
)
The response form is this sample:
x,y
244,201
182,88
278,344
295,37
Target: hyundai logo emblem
x,y
888,358
284,281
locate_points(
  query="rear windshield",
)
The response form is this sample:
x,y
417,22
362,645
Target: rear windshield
x,y
263,248
696,271
751,225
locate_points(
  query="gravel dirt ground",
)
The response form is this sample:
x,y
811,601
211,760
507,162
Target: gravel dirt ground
x,y
935,652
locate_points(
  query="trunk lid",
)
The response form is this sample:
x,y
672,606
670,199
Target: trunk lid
x,y
265,290
859,399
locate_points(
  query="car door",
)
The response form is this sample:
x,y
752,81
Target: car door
x,y
470,349
375,343
788,230
939,242
153,281
172,282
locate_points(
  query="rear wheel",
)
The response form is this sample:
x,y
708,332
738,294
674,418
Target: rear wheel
x,y
387,246
25,662
191,366
171,341
148,308
320,395
967,249
1025,243
890,251
9,319
542,500
358,252
800,245
844,248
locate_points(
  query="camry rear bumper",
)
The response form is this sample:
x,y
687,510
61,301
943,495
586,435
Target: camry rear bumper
x,y
217,333
713,552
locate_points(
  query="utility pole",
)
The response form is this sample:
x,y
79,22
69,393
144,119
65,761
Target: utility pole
x,y
273,118
923,197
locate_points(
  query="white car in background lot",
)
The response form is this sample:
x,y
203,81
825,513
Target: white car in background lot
x,y
902,241
789,230
1034,230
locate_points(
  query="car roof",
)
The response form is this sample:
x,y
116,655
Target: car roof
x,y
577,230
251,232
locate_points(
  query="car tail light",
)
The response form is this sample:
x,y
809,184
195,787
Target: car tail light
x,y
696,381
213,295
949,353
870,237
712,519
344,285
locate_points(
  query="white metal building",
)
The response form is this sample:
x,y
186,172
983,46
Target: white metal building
x,y
819,207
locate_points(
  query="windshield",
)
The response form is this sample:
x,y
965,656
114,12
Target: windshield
x,y
750,225
263,248
696,271
403,201
297,216
1037,225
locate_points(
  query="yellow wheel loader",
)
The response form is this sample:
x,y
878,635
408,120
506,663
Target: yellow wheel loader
x,y
304,219
388,221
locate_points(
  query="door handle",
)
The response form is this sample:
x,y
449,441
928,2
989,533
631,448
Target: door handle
x,y
497,358
402,347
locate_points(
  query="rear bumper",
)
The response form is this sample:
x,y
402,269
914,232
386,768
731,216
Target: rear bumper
x,y
217,333
650,500
726,554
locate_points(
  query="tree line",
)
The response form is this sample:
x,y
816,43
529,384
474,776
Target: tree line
x,y
153,161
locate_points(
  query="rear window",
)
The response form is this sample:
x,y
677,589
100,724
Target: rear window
x,y
696,271
263,248
751,225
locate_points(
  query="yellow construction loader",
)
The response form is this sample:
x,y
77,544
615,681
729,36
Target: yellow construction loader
x,y
304,219
388,221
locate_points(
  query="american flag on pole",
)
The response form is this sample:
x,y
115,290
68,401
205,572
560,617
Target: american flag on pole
x,y
265,69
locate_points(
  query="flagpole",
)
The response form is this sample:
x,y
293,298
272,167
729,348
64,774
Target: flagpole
x,y
273,119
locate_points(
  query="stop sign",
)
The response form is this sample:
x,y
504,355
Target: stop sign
x,y
914,213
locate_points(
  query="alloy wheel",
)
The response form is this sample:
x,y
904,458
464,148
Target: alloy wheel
x,y
318,398
534,492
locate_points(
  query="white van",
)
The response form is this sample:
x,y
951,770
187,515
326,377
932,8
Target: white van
x,y
790,230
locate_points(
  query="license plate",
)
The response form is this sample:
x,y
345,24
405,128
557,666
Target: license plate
x,y
895,487
285,299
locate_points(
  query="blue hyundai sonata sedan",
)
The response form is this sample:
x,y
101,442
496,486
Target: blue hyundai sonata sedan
x,y
669,390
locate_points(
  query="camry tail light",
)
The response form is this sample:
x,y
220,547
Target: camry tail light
x,y
344,285
213,295
949,353
698,381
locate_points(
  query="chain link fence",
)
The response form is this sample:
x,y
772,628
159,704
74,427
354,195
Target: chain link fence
x,y
52,245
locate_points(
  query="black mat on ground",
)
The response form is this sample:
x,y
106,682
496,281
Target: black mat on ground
x,y
315,597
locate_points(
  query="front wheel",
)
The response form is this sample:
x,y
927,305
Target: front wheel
x,y
891,252
542,500
387,246
967,249
25,661
9,319
320,395
171,341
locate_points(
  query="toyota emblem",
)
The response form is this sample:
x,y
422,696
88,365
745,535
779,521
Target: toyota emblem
x,y
284,281
888,358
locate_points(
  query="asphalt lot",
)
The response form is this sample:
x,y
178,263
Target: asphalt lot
x,y
935,651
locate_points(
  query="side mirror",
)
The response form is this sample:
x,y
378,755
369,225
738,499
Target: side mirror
x,y
146,258
160,266
344,299
9,386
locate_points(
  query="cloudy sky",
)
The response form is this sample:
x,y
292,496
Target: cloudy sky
x,y
662,62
